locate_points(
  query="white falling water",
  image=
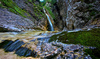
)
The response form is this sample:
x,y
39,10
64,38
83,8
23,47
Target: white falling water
x,y
50,23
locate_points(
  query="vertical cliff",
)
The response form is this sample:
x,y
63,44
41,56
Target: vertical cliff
x,y
65,14
74,14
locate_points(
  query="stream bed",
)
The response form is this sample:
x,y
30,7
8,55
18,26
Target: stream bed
x,y
36,44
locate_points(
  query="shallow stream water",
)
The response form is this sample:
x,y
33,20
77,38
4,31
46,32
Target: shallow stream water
x,y
36,44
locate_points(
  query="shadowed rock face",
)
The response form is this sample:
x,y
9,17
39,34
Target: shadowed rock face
x,y
13,22
3,29
75,13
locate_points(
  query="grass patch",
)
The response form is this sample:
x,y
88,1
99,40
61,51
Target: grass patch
x,y
87,38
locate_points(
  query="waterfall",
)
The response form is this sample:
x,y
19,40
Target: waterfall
x,y
50,23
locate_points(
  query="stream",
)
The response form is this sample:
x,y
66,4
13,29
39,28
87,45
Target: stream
x,y
36,44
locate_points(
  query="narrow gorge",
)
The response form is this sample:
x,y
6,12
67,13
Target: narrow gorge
x,y
49,29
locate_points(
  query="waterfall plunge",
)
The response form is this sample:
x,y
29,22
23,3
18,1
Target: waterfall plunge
x,y
50,23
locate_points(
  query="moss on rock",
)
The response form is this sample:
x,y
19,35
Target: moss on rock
x,y
13,7
87,38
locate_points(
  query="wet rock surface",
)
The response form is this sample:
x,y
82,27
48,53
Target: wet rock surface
x,y
38,45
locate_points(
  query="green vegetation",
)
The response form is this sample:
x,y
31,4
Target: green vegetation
x,y
50,12
38,9
1,5
13,7
43,4
53,1
87,38
29,0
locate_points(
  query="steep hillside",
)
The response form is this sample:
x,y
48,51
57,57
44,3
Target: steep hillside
x,y
30,9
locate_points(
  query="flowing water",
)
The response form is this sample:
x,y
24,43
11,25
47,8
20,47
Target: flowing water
x,y
50,23
36,44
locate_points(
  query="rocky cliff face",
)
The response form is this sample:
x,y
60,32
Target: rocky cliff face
x,y
68,14
76,13
18,10
35,10
13,22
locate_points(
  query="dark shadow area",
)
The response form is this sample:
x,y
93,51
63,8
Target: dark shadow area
x,y
3,29
10,46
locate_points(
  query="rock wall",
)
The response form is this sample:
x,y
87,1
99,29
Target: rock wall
x,y
22,9
75,14
34,8
13,22
66,14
